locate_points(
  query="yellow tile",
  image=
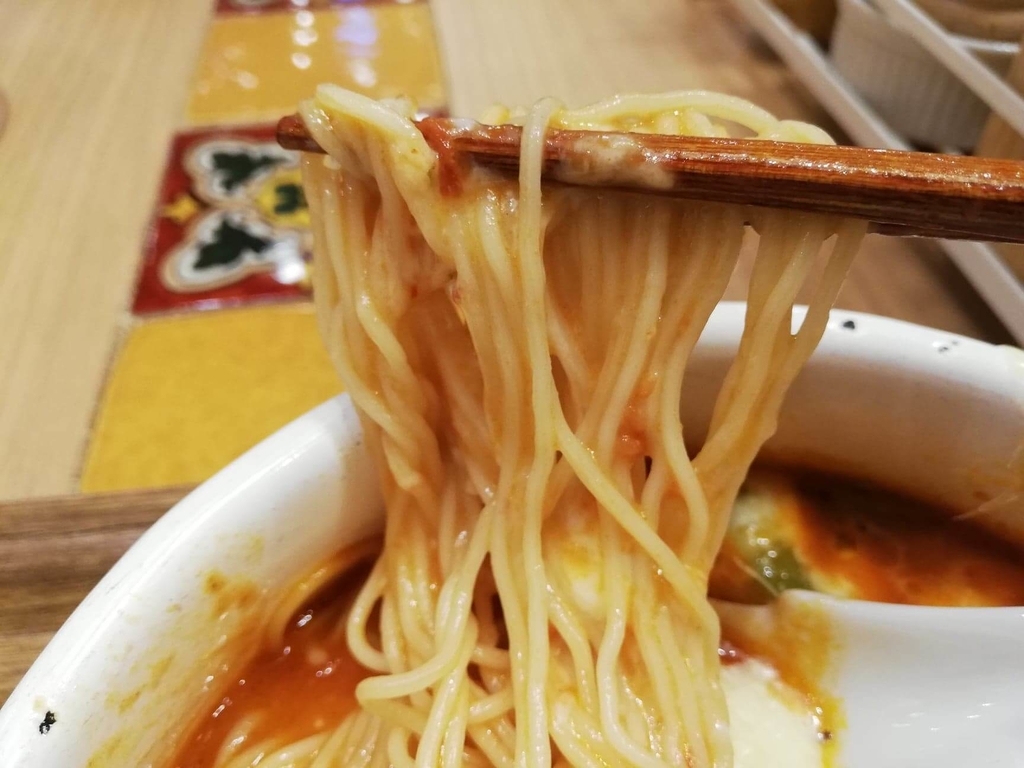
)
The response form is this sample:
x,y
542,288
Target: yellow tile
x,y
258,67
189,394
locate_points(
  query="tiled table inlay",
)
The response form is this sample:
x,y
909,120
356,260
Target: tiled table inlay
x,y
257,67
190,390
231,224
188,394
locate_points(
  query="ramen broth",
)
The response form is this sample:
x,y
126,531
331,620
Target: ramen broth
x,y
290,689
790,529
797,529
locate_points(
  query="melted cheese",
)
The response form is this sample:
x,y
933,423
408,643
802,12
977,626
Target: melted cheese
x,y
773,726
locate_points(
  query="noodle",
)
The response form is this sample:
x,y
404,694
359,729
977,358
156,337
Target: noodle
x,y
517,356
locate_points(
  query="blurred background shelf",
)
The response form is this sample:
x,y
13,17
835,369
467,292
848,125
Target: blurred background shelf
x,y
963,97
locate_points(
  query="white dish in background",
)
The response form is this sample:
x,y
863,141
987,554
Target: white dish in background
x,y
979,262
911,89
916,409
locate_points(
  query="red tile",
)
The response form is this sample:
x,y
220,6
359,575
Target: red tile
x,y
230,226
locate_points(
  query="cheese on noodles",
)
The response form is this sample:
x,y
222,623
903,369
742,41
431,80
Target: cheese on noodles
x,y
516,353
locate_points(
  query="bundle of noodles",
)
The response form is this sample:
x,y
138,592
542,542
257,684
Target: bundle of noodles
x,y
517,354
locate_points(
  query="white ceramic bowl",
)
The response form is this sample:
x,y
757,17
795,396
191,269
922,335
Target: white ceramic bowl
x,y
912,408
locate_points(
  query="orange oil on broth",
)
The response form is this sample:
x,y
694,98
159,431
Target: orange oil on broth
x,y
888,548
293,688
867,541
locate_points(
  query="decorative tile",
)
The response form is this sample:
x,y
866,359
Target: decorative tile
x,y
264,6
258,66
187,394
231,224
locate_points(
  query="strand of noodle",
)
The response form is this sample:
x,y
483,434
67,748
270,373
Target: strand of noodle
x,y
316,178
515,621
496,748
490,707
356,630
616,358
769,329
613,363
811,330
368,111
393,643
567,273
295,753
408,718
398,748
351,743
367,401
236,738
638,726
476,290
777,306
497,247
458,591
575,638
456,624
469,421
497,258
409,441
597,317
670,696
510,361
590,244
698,305
579,738
455,734
447,530
538,751
564,346
500,556
447,697
711,104
487,656
608,652
294,598
491,657
415,431
675,573
766,329
412,576
706,702
648,309
770,302
707,687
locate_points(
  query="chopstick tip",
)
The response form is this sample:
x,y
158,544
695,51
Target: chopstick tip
x,y
292,134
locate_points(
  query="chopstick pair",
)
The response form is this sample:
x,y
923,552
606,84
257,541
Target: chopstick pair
x,y
906,194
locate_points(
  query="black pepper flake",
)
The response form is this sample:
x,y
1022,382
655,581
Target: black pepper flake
x,y
826,735
943,348
850,325
48,720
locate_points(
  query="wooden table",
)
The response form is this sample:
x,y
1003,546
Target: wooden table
x,y
96,87
52,552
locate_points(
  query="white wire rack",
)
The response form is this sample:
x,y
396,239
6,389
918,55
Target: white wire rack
x,y
996,283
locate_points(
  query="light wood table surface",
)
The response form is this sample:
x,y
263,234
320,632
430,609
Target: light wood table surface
x,y
96,88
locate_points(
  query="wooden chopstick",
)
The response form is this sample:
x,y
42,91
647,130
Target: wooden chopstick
x,y
907,194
